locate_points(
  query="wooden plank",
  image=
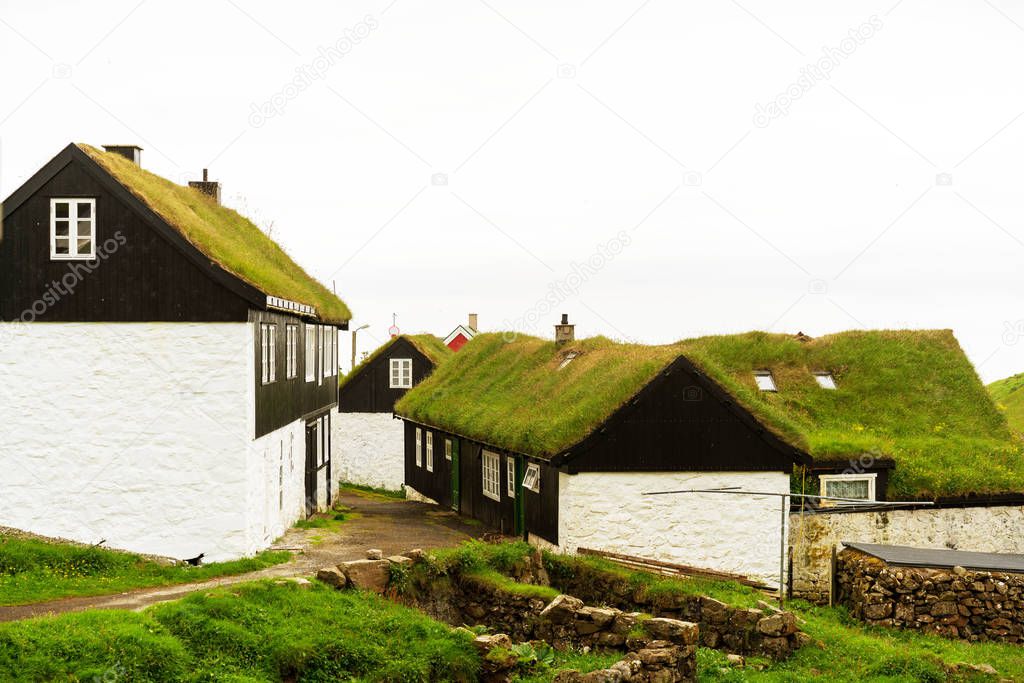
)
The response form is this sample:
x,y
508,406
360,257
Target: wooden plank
x,y
670,568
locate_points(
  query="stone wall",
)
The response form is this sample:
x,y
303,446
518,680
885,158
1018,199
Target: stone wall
x,y
956,603
979,529
369,449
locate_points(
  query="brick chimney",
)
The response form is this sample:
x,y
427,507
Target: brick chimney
x,y
564,332
132,153
207,186
473,322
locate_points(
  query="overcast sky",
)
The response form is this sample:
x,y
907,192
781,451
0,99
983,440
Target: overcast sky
x,y
658,170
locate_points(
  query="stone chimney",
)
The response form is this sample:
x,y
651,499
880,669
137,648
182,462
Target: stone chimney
x,y
564,332
207,186
132,153
473,322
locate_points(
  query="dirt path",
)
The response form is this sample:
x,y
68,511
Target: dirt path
x,y
393,526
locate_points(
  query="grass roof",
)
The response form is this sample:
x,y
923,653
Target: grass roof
x,y
430,346
912,396
1009,397
229,239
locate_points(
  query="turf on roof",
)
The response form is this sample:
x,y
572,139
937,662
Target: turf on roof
x,y
912,396
226,237
427,344
1009,397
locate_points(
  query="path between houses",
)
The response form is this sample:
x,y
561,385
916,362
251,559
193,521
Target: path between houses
x,y
393,526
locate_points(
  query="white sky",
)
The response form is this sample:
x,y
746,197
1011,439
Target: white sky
x,y
560,128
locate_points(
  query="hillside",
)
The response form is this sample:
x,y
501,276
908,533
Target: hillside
x,y
1009,397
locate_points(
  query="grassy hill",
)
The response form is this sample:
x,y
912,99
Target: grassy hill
x,y
1009,397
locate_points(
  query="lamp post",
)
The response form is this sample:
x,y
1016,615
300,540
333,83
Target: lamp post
x,y
363,327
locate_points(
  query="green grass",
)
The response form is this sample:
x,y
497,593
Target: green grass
x,y
427,344
912,396
373,491
37,571
250,632
1009,397
227,238
576,660
475,554
503,583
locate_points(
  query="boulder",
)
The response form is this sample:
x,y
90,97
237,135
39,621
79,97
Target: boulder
x,y
374,554
780,624
332,576
679,632
400,560
562,609
369,575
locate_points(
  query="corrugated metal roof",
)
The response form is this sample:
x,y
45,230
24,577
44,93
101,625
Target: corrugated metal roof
x,y
905,556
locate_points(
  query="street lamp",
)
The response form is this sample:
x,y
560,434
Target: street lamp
x,y
354,345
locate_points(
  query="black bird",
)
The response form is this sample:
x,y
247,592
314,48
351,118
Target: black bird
x,y
195,561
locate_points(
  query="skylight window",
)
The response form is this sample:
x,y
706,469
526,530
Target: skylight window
x,y
569,357
825,380
765,381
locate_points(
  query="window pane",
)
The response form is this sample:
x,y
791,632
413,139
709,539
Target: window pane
x,y
61,209
61,228
84,210
84,246
62,245
85,228
855,488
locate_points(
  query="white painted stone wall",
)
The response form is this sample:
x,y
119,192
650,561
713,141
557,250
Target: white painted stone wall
x,y
276,464
980,529
369,449
738,534
139,434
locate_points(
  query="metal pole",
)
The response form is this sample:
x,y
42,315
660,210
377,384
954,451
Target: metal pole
x,y
353,350
782,549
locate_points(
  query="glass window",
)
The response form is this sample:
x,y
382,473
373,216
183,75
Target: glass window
x,y
510,476
491,473
825,380
419,447
765,381
531,479
72,229
310,357
401,373
430,451
854,486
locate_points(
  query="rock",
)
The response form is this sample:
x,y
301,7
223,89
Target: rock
x,y
415,554
602,676
374,554
735,660
301,582
959,571
599,615
880,611
400,560
781,624
679,632
561,610
332,576
942,609
569,676
369,575
713,611
624,622
486,643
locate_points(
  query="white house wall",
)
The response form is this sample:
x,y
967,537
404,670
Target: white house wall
x,y
738,534
276,484
369,449
980,529
137,434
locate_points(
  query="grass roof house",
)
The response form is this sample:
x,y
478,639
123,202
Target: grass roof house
x,y
558,440
168,368
1008,394
370,441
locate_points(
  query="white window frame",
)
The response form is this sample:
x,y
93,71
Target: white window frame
x,y
419,447
490,475
73,235
448,449
310,356
322,353
769,385
531,478
430,452
400,373
510,475
826,380
268,353
870,477
291,352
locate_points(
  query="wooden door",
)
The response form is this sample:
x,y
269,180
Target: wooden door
x,y
455,475
312,442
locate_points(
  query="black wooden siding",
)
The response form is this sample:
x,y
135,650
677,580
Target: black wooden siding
x,y
369,391
145,279
286,400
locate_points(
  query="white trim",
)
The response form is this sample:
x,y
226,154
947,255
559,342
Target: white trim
x,y
290,306
430,452
765,381
291,351
73,224
531,479
870,477
419,447
490,475
448,449
510,476
459,329
268,353
400,373
309,357
825,380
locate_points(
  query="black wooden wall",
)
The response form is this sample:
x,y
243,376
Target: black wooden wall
x,y
542,508
368,391
285,400
144,278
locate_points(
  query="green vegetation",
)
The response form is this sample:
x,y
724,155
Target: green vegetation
x,y
373,492
912,396
1009,397
38,571
227,238
478,555
250,632
503,583
427,344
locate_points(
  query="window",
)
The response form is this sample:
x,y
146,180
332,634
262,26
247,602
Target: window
x,y
825,380
531,480
72,229
492,475
328,354
858,486
430,451
334,351
321,347
310,357
268,352
764,380
510,472
569,357
447,449
291,351
419,447
401,373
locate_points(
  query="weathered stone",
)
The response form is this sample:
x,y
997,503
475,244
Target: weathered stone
x,y
735,660
678,632
778,624
624,622
713,611
369,575
879,611
400,560
332,576
374,554
599,615
415,554
658,657
486,643
943,609
562,609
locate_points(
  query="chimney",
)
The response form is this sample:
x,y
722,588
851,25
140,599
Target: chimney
x,y
206,186
132,153
472,322
564,332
